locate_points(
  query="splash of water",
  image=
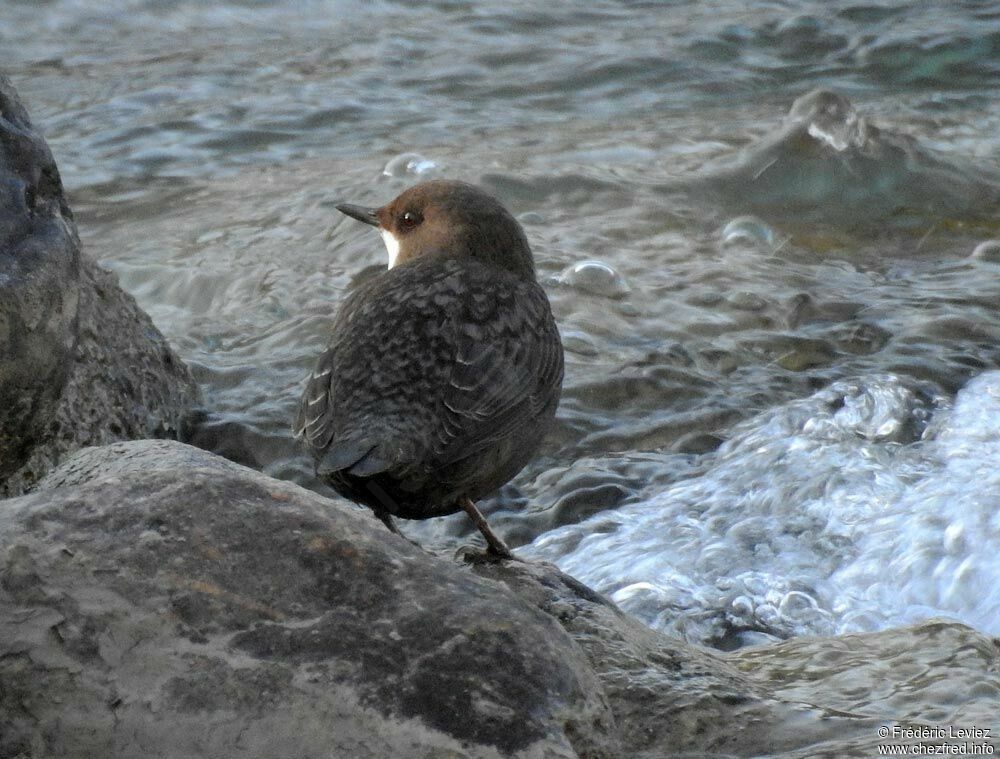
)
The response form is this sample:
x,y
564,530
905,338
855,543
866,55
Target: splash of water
x,y
870,504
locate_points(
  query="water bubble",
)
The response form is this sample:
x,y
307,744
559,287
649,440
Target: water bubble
x,y
746,301
742,607
748,229
410,165
768,615
988,250
531,217
798,605
596,278
831,119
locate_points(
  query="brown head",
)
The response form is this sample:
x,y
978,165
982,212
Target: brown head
x,y
447,218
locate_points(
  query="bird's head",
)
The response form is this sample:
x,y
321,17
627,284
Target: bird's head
x,y
448,218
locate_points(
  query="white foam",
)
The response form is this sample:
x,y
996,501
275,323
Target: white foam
x,y
835,513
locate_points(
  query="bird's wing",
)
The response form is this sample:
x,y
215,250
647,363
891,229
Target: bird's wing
x,y
507,368
312,423
372,396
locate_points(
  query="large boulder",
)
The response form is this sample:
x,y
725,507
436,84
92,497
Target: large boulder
x,y
80,363
39,285
159,601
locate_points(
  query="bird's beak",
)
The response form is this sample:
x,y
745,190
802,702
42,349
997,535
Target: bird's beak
x,y
367,215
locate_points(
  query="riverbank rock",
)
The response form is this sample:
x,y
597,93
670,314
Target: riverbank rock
x,y
159,601
39,285
80,363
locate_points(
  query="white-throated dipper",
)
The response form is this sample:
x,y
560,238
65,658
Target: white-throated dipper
x,y
443,374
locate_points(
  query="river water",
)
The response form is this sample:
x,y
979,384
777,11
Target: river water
x,y
781,413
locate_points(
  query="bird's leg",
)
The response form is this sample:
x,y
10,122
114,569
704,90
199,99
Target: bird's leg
x,y
386,518
388,506
495,545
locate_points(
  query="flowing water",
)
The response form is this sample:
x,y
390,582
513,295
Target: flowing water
x,y
781,414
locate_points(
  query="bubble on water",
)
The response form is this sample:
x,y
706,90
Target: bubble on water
x,y
410,165
531,217
989,250
748,230
797,605
741,608
596,278
768,615
831,119
746,301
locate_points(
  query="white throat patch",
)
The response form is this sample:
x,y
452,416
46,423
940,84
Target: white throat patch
x,y
391,245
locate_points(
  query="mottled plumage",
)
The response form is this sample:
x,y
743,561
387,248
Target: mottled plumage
x,y
443,374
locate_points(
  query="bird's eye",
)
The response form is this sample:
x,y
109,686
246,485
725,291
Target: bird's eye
x,y
409,220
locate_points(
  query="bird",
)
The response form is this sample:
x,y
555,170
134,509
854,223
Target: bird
x,y
443,373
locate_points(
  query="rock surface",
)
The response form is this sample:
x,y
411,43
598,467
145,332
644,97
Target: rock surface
x,y
159,601
39,288
180,605
80,363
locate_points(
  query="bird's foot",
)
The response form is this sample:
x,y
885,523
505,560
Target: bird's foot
x,y
389,522
495,547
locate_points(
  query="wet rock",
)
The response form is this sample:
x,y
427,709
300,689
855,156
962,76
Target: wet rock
x,y
936,672
39,288
157,600
670,698
81,363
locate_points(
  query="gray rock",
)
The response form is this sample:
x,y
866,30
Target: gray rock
x,y
159,601
172,604
669,697
39,288
80,363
